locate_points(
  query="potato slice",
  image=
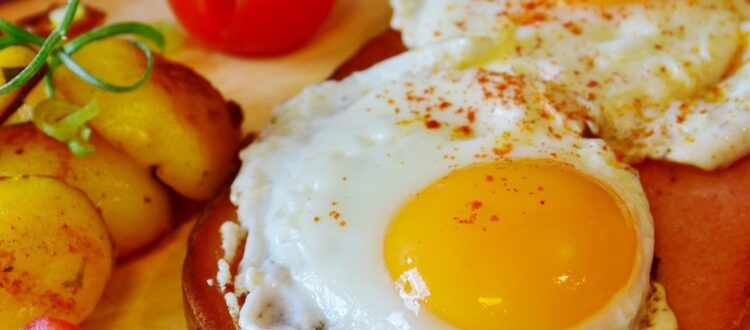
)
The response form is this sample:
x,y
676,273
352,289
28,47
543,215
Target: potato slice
x,y
12,58
136,207
26,150
25,112
176,122
55,252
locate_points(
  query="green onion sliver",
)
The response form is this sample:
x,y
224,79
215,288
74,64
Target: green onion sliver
x,y
91,79
67,123
70,13
134,28
47,115
81,116
19,33
63,121
47,46
35,65
80,148
8,41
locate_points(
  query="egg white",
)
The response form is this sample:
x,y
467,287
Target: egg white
x,y
647,69
360,148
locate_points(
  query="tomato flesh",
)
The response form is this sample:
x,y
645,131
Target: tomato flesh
x,y
252,27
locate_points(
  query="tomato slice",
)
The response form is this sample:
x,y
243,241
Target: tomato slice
x,y
252,27
50,323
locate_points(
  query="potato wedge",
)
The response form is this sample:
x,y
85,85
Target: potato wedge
x,y
176,122
136,207
55,251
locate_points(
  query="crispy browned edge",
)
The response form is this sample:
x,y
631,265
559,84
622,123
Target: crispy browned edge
x,y
205,307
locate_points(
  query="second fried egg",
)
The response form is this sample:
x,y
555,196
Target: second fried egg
x,y
663,79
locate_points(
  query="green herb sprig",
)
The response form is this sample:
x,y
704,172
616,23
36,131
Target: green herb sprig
x,y
55,51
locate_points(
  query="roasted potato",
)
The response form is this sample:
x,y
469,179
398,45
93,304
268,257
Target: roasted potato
x,y
26,150
55,251
11,59
176,122
25,112
135,206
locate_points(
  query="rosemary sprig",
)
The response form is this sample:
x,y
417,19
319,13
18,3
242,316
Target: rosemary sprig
x,y
56,118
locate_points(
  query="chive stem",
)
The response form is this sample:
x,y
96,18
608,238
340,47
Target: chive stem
x,y
58,119
53,51
34,66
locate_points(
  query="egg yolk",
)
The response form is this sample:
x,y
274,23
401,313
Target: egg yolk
x,y
523,244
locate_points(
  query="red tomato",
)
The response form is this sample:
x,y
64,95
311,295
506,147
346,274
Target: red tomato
x,y
50,323
252,26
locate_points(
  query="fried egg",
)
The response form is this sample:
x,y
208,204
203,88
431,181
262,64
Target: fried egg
x,y
662,79
421,194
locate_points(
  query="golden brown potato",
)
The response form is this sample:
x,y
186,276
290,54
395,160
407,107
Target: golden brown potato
x,y
136,207
55,252
26,150
176,122
25,112
13,57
